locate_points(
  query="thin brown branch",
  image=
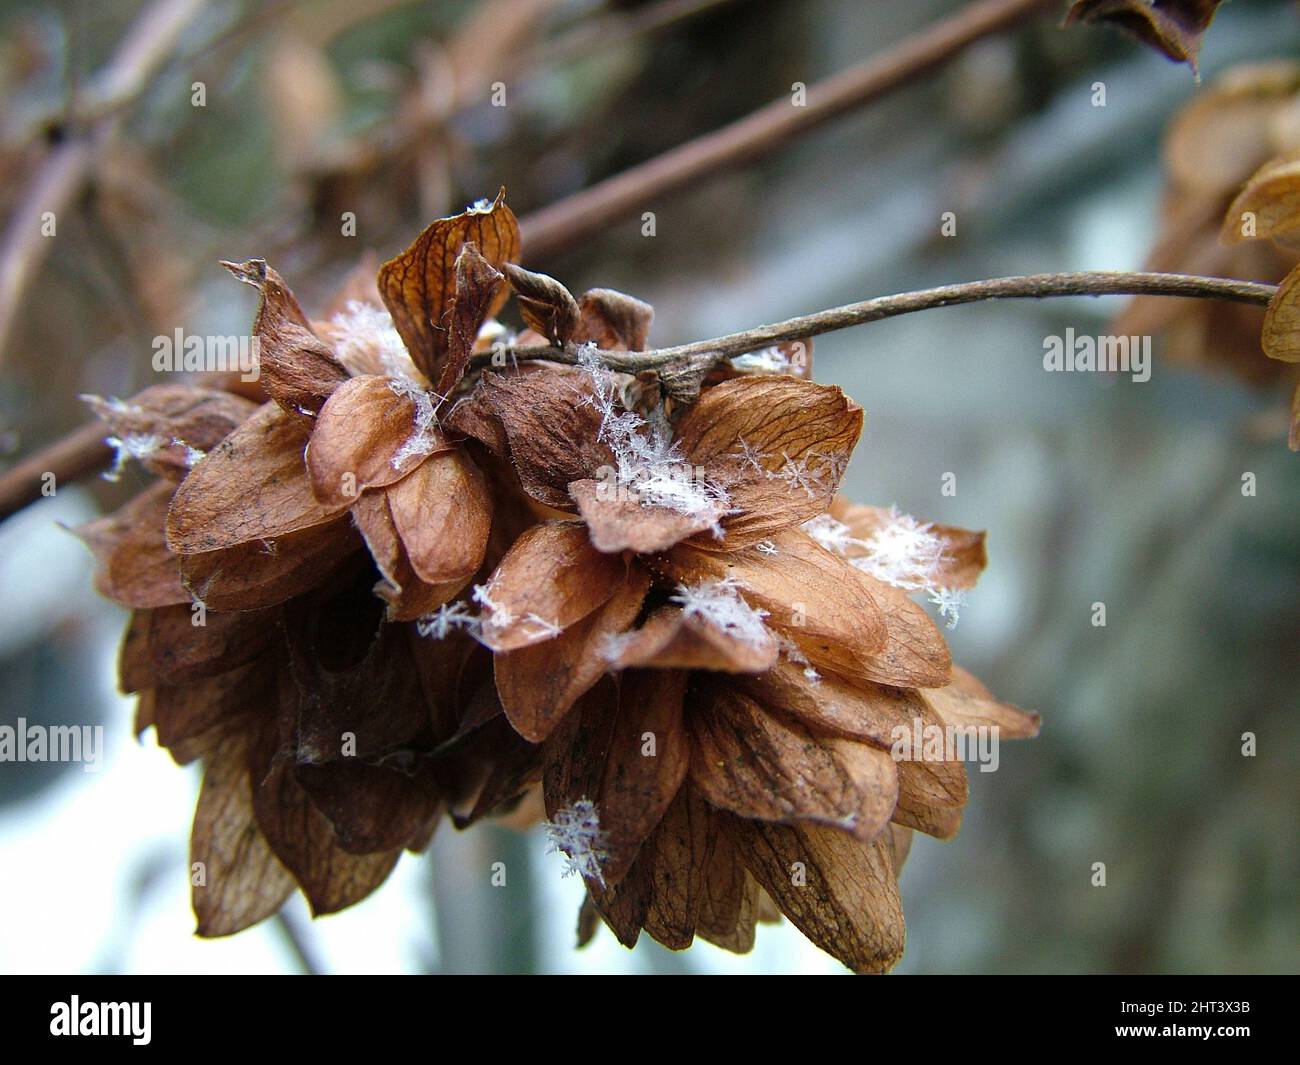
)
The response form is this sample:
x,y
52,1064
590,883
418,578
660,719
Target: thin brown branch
x,y
77,455
84,451
566,223
1032,286
57,181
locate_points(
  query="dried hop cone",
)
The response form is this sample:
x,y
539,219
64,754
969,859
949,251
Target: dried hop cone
x,y
427,577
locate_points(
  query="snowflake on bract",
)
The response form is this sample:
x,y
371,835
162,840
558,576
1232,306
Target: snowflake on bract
x,y
575,832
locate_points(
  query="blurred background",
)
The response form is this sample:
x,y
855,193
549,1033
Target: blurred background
x,y
1092,488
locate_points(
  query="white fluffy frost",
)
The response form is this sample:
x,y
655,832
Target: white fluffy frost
x,y
575,832
719,603
646,458
902,551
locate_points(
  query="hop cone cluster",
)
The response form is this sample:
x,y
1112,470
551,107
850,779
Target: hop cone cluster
x,y
416,580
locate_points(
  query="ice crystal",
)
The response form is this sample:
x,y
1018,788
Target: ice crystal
x,y
541,626
646,458
833,535
903,552
575,832
421,442
718,602
366,341
798,475
949,601
768,360
750,455
447,619
500,616
613,644
130,446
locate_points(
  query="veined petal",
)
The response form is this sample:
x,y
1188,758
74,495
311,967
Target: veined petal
x,y
251,486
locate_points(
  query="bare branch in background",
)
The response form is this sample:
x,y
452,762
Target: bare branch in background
x,y
574,219
58,180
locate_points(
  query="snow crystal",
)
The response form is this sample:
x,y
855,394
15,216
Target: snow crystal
x,y
768,360
131,446
949,601
833,535
446,619
647,459
613,644
750,455
421,441
575,832
366,341
500,616
718,602
903,552
541,626
798,475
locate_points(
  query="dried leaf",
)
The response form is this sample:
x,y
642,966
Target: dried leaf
x,y
552,430
748,759
614,321
915,653
251,486
243,882
134,666
182,420
419,286
298,369
679,854
778,444
303,840
841,894
350,689
373,807
478,284
407,596
811,596
647,761
181,649
264,573
961,705
1271,199
539,684
184,711
1173,27
443,512
729,906
366,436
1281,337
551,578
618,520
135,567
546,305
669,639
1219,139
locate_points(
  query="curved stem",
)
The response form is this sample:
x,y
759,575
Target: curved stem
x,y
1031,286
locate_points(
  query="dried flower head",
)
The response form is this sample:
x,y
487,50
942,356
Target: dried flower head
x,y
412,584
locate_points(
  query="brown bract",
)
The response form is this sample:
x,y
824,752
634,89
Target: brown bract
x,y
419,287
1172,27
1229,210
